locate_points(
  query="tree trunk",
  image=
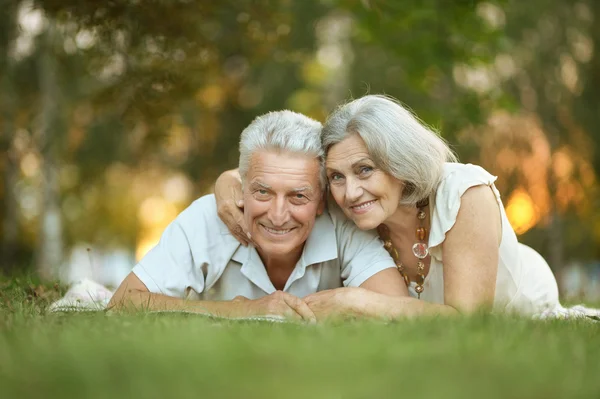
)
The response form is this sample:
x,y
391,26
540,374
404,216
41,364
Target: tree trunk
x,y
10,220
50,244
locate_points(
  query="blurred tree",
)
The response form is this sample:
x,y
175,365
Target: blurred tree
x,y
50,138
551,46
116,98
457,65
8,154
416,51
170,84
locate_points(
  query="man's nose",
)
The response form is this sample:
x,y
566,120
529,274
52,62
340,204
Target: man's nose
x,y
279,213
354,190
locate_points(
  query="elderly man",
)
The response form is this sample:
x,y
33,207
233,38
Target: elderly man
x,y
299,248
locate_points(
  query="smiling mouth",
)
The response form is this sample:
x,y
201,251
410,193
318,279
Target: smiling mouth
x,y
278,232
363,206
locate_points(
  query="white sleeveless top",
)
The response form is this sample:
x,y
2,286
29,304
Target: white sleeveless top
x,y
524,283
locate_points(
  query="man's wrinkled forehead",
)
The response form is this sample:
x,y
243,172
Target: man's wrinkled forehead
x,y
284,166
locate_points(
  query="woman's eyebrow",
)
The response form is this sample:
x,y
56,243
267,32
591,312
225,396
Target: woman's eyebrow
x,y
361,161
352,165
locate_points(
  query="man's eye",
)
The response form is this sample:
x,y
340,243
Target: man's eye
x,y
262,192
300,196
335,177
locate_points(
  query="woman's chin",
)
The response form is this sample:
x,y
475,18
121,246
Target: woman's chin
x,y
367,223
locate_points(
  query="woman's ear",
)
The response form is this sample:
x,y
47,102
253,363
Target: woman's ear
x,y
408,188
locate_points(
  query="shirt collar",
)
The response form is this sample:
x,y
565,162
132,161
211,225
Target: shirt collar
x,y
320,246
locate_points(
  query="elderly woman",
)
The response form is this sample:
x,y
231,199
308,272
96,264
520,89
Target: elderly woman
x,y
442,222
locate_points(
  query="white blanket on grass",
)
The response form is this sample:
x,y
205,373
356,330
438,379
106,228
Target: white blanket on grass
x,y
87,295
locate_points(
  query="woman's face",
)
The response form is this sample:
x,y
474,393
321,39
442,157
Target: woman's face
x,y
367,195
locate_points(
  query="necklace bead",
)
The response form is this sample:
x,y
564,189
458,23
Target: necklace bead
x,y
420,249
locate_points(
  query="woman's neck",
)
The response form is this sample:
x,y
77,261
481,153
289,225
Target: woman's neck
x,y
403,221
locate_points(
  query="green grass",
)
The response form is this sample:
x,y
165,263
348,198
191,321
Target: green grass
x,y
98,355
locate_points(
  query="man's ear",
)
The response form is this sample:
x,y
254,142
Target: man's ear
x,y
322,203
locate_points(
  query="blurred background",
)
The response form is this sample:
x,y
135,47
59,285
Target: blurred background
x,y
115,115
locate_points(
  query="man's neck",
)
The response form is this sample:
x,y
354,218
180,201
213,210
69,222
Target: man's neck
x,y
279,268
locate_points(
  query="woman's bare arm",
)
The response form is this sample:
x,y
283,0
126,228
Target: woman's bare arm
x,y
471,251
229,196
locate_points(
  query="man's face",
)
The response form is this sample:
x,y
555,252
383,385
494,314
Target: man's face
x,y
282,198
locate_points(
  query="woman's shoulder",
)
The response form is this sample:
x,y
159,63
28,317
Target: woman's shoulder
x,y
456,180
460,171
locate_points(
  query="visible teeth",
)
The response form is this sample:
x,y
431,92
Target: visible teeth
x,y
275,231
363,206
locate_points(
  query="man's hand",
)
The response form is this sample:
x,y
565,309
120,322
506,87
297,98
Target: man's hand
x,y
338,302
278,303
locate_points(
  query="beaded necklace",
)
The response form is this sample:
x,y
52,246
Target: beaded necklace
x,y
419,249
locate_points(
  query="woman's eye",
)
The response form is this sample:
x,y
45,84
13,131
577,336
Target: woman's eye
x,y
262,192
335,177
366,169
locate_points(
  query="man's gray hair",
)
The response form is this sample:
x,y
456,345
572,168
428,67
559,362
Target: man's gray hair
x,y
283,131
396,140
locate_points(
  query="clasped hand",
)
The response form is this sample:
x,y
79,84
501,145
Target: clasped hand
x,y
337,302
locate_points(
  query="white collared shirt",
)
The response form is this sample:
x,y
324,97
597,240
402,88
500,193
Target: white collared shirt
x,y
197,257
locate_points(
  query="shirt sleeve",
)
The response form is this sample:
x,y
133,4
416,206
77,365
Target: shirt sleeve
x,y
361,253
170,268
457,179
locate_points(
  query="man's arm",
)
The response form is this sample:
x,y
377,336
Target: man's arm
x,y
133,295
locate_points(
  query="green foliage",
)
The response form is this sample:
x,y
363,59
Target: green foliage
x,y
171,84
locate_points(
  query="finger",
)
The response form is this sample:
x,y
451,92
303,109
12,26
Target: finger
x,y
291,314
241,222
312,297
230,215
240,236
300,307
241,227
238,197
316,297
247,236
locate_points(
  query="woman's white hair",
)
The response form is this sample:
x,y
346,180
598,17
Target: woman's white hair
x,y
283,131
396,140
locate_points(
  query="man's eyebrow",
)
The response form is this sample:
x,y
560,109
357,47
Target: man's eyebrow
x,y
301,189
260,184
